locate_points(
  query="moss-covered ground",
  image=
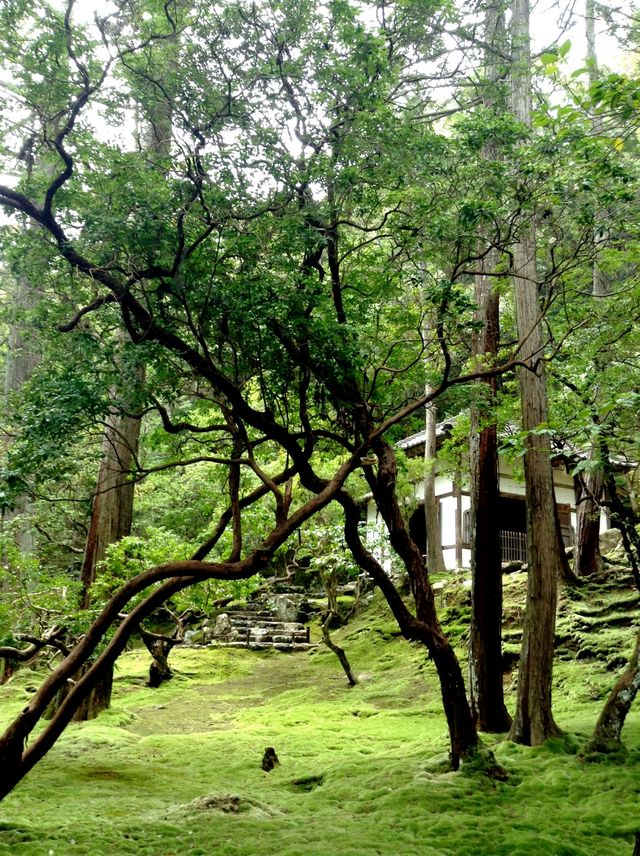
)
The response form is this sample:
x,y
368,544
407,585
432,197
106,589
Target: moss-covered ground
x,y
177,770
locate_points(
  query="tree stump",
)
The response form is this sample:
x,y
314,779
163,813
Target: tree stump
x,y
269,759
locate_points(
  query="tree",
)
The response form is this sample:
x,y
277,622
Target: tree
x,y
435,559
533,721
485,654
587,550
215,271
266,278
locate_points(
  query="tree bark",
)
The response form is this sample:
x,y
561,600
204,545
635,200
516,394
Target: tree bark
x,y
533,721
485,654
425,627
337,650
606,735
587,548
96,700
8,671
159,670
112,508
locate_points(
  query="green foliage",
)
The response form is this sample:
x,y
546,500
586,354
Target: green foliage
x,y
34,595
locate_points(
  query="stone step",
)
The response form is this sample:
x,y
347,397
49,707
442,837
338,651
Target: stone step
x,y
263,646
271,628
293,625
288,638
253,615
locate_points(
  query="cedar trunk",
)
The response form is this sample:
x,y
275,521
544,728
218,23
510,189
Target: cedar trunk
x,y
112,508
485,654
533,719
485,659
587,548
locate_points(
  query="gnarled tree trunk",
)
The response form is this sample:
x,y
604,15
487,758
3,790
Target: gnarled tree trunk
x,y
606,736
425,627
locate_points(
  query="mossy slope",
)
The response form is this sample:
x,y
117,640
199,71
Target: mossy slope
x,y
361,769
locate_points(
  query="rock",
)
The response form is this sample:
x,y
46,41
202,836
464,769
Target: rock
x,y
290,607
194,637
511,567
610,540
222,628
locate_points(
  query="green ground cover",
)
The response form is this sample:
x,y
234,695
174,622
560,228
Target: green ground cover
x,y
177,770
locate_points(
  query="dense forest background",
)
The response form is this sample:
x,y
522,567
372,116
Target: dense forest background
x,y
244,248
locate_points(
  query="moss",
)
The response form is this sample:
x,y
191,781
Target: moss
x,y
363,771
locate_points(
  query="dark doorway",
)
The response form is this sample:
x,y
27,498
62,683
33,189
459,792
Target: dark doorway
x,y
512,513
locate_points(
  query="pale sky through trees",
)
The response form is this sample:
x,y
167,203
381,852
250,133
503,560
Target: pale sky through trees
x,y
552,23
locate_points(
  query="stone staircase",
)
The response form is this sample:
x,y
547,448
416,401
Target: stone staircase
x,y
258,630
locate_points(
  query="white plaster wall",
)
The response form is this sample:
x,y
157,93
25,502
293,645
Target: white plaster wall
x,y
449,556
448,506
443,485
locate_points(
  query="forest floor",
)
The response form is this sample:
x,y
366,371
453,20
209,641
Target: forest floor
x,y
177,770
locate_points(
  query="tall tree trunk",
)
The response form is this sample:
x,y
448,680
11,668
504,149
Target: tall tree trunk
x,y
587,548
533,720
112,508
435,559
485,654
